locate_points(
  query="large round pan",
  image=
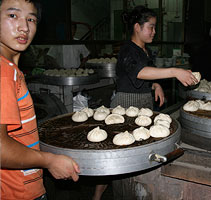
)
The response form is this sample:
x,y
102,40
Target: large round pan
x,y
123,160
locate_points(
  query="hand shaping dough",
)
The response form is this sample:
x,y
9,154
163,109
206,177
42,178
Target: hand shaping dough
x,y
159,131
141,134
119,110
162,116
100,116
79,116
145,111
191,106
132,111
114,119
97,135
103,109
124,138
197,75
143,120
88,111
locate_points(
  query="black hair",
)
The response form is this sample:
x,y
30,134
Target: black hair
x,y
37,5
139,14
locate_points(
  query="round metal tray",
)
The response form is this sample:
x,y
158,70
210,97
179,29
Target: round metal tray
x,y
118,161
196,124
71,80
104,70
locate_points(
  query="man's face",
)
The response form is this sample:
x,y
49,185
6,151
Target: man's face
x,y
18,24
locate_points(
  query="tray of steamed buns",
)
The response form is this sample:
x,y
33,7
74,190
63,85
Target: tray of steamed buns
x,y
104,128
70,76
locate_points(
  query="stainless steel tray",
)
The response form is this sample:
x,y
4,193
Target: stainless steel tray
x,y
104,70
118,161
71,80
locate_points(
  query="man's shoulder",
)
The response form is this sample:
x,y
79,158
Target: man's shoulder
x,y
8,69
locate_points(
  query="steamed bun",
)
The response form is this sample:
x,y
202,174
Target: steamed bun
x,y
143,120
124,138
114,119
79,116
157,131
97,135
141,133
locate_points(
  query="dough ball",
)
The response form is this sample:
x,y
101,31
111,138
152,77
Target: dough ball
x,y
191,106
132,111
197,75
163,123
97,135
201,103
206,106
143,120
79,116
114,119
145,111
119,110
162,116
100,116
158,131
124,138
103,109
141,134
88,111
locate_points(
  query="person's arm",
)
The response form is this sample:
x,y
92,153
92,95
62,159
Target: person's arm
x,y
158,93
83,62
15,155
184,76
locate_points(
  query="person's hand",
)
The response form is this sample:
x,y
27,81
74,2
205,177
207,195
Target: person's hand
x,y
63,167
158,93
185,77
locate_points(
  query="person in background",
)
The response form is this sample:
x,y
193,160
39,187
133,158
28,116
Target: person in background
x,y
135,69
21,158
136,75
68,56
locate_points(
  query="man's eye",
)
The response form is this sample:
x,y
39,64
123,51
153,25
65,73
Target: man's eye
x,y
32,20
12,15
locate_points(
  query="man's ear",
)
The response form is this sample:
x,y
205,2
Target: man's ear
x,y
137,27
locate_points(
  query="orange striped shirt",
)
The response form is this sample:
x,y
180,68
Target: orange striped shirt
x,y
17,111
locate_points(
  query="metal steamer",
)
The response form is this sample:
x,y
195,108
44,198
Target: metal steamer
x,y
193,94
123,160
104,70
74,80
196,129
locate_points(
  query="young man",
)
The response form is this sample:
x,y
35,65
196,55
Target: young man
x,y
21,159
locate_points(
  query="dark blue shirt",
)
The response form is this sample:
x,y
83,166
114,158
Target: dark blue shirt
x,y
131,60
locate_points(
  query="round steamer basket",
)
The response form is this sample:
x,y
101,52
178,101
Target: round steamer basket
x,y
196,130
121,160
186,93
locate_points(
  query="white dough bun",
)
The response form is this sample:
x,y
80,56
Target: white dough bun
x,y
119,110
143,120
97,135
132,111
145,111
191,106
79,116
114,119
124,138
141,133
158,131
